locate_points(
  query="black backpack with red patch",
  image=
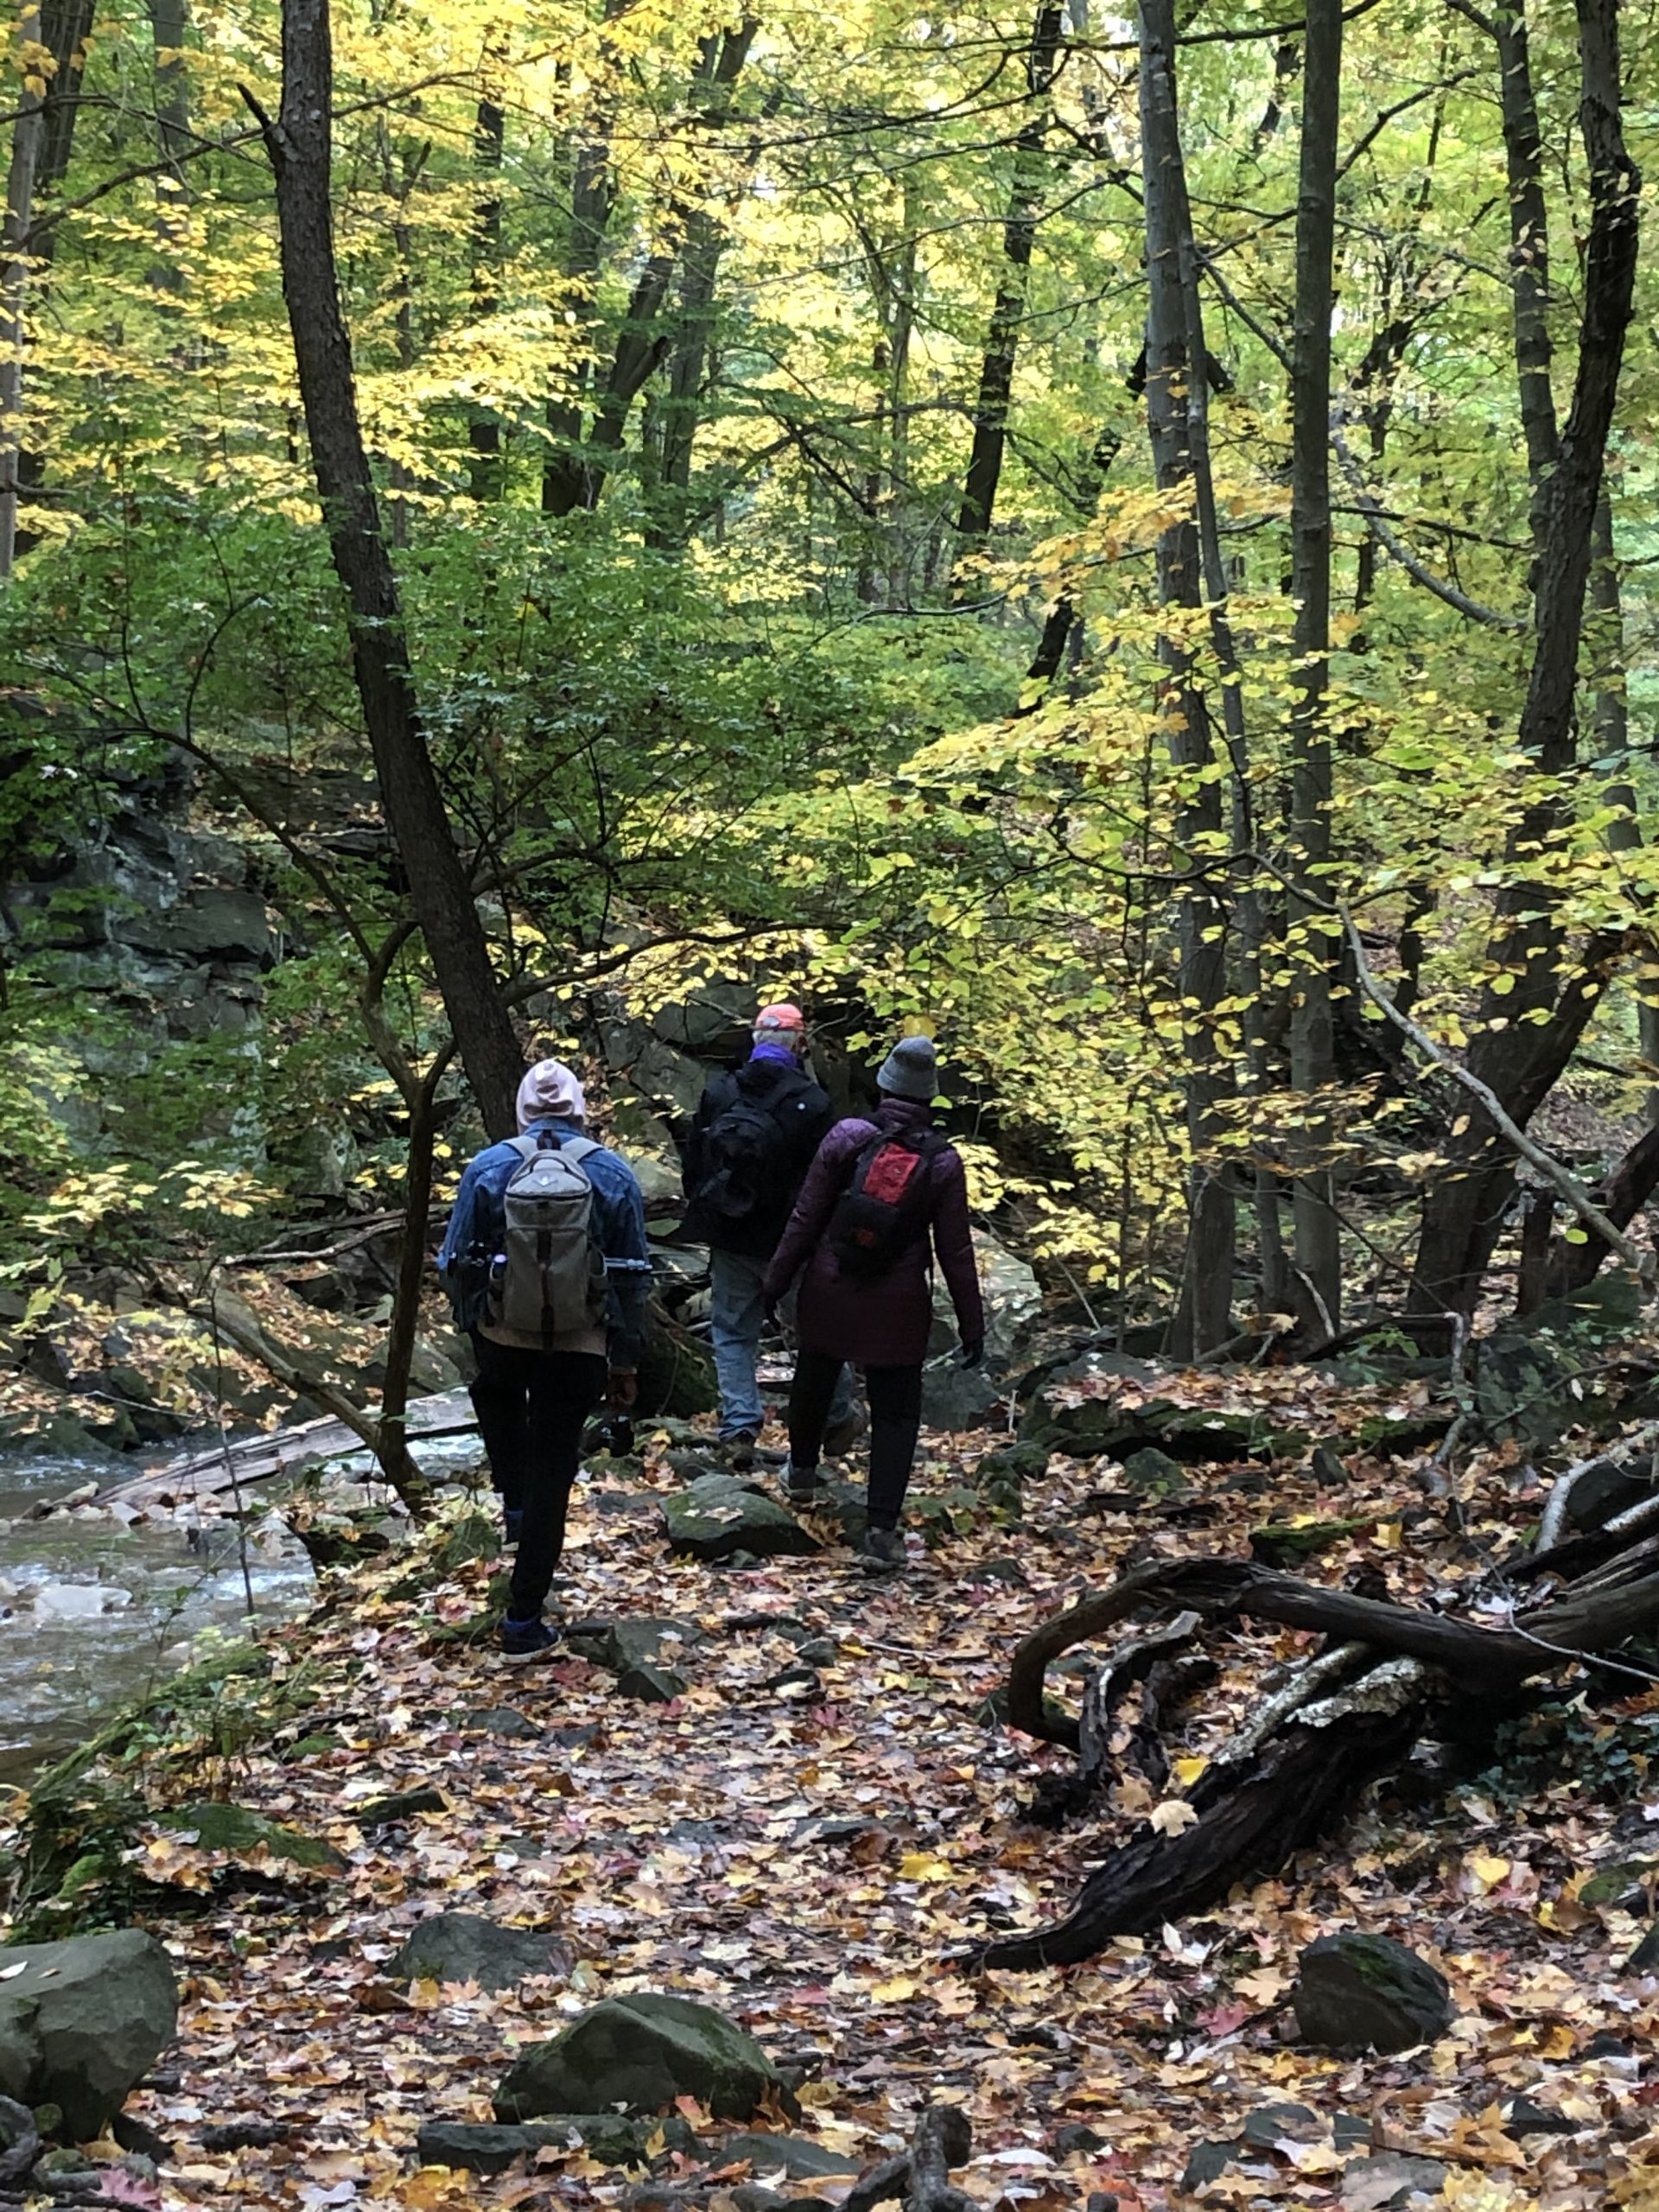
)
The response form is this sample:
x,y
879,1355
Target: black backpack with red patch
x,y
884,1208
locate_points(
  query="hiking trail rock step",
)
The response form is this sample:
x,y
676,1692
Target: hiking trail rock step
x,y
465,1947
83,2022
612,2138
621,1644
1356,1992
719,1514
641,2052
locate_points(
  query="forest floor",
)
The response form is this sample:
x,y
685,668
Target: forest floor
x,y
806,1857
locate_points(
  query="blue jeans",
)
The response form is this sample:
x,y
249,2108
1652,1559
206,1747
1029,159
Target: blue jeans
x,y
737,1309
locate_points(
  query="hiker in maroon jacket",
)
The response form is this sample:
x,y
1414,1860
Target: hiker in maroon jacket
x,y
879,1200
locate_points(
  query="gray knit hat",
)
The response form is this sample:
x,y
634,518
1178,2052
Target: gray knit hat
x,y
910,1070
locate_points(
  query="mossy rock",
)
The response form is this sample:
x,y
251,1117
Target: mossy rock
x,y
1291,1544
1357,1992
643,2052
240,1833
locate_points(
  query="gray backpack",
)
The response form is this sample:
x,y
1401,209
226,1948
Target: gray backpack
x,y
553,1281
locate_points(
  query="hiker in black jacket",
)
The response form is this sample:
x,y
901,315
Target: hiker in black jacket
x,y
752,1141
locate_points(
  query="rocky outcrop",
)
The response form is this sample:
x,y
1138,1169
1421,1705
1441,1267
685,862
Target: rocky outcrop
x,y
641,2053
82,2021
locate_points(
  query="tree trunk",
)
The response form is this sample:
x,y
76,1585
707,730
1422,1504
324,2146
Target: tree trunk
x,y
1201,1321
169,22
299,143
1316,1289
22,173
489,151
1529,255
576,477
65,26
1530,1027
1008,310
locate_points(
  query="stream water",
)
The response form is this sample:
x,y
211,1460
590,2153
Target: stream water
x,y
92,1612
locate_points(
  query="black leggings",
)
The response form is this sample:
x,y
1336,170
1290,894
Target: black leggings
x,y
532,1407
895,1421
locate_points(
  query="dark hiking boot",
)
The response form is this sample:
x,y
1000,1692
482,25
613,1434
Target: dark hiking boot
x,y
881,1551
524,1641
802,1485
739,1451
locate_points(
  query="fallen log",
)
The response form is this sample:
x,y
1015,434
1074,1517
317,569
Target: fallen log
x,y
1343,1718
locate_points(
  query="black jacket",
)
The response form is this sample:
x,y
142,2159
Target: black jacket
x,y
803,1113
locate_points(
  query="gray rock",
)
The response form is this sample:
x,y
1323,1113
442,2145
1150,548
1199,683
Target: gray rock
x,y
1356,1992
465,1947
641,2052
620,1644
718,1515
1013,1297
498,1720
611,2137
1390,2178
755,2196
1156,1476
651,1685
957,1399
84,2022
402,1805
798,2156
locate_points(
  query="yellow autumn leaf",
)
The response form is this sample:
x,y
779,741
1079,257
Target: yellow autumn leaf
x,y
1488,1870
1188,1771
895,1990
923,1867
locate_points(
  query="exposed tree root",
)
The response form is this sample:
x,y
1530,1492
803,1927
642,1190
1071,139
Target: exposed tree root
x,y
1344,1718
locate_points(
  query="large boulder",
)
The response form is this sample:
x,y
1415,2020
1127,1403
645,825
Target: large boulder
x,y
82,2022
1012,1297
718,1515
641,2053
465,1947
1356,1992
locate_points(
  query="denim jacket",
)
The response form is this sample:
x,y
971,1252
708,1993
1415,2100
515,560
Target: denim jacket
x,y
476,1222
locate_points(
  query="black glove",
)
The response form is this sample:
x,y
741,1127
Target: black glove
x,y
971,1355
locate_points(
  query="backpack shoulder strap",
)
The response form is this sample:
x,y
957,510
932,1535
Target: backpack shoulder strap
x,y
579,1148
526,1147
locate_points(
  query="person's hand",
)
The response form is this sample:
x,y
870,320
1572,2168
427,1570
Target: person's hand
x,y
971,1354
625,1388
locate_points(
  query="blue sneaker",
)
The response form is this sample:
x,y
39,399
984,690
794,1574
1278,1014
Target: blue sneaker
x,y
522,1640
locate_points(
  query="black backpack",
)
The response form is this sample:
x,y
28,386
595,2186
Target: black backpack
x,y
884,1208
747,1166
